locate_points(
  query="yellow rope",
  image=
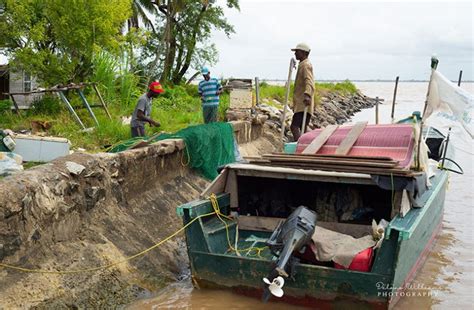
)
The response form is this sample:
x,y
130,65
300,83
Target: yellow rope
x,y
182,155
217,212
111,264
215,206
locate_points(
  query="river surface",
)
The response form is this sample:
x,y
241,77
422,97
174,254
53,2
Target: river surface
x,y
448,273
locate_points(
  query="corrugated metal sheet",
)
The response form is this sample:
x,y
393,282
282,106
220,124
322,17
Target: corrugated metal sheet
x,y
392,140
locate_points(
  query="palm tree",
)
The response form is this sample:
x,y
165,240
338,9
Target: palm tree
x,y
142,10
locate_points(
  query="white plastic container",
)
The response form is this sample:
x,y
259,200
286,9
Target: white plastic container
x,y
41,149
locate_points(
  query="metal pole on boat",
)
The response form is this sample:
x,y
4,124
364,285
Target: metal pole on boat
x,y
376,110
445,148
394,98
460,77
434,65
303,125
288,82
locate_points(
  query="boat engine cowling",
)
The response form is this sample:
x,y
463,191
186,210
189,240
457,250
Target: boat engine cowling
x,y
289,236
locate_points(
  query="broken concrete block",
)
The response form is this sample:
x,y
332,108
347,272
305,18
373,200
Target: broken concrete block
x,y
74,168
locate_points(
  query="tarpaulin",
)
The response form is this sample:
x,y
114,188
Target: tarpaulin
x,y
448,104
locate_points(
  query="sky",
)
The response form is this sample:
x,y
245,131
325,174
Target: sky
x,y
357,40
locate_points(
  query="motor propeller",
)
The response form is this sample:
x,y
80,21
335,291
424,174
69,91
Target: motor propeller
x,y
275,287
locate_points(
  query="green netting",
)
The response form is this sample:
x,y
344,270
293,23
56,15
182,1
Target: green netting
x,y
208,146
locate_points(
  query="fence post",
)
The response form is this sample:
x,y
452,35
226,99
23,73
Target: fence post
x,y
460,77
394,98
376,110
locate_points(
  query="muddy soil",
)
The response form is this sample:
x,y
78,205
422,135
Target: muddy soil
x,y
118,205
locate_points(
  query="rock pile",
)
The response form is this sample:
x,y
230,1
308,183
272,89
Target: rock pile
x,y
333,108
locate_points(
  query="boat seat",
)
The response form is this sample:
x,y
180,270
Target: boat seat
x,y
215,233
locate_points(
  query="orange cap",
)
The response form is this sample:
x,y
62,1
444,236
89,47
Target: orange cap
x,y
156,87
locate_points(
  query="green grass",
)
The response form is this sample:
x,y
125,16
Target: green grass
x,y
346,87
178,108
278,92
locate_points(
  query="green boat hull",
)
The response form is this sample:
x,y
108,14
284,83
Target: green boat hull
x,y
406,245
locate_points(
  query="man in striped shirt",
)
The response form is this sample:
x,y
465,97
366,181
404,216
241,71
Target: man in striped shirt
x,y
209,89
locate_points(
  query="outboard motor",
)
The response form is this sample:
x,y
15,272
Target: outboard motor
x,y
290,235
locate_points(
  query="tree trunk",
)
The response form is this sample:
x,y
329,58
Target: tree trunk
x,y
191,46
179,59
170,40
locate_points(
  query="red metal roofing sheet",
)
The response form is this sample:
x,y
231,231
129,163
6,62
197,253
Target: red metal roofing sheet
x,y
392,140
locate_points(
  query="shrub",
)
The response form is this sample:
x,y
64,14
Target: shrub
x,y
47,104
5,106
263,84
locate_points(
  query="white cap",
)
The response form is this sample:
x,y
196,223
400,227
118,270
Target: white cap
x,y
303,47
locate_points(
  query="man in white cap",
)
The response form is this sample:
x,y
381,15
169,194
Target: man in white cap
x,y
303,94
209,89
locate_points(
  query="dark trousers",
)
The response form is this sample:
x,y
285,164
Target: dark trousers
x,y
210,113
138,131
296,123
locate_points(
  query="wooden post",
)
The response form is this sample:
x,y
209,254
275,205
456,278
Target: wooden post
x,y
101,100
434,65
460,77
394,98
17,109
257,91
376,110
288,82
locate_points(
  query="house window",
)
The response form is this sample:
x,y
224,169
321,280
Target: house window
x,y
26,82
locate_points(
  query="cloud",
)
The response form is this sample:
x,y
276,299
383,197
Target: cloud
x,y
360,40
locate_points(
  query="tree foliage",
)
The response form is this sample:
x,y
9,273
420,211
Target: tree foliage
x,y
55,40
182,39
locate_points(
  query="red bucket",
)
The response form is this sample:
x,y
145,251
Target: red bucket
x,y
361,262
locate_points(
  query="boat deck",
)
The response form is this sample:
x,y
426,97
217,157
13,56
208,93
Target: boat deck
x,y
252,244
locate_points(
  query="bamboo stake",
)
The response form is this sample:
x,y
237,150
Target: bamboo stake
x,y
394,98
257,91
303,125
288,81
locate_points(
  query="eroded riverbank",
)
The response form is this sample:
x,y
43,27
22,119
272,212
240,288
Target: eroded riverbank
x,y
67,222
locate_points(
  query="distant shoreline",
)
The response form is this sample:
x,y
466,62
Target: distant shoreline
x,y
381,81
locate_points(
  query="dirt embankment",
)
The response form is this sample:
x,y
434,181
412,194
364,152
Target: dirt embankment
x,y
109,208
120,204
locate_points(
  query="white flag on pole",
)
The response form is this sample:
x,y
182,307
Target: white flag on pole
x,y
449,105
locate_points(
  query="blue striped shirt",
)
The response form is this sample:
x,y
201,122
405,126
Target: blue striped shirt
x,y
209,89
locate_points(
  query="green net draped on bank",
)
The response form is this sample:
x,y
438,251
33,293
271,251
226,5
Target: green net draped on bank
x,y
208,146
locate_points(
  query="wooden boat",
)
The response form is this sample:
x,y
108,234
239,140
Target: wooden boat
x,y
231,252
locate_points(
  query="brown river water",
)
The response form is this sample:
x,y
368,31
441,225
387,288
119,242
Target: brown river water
x,y
448,273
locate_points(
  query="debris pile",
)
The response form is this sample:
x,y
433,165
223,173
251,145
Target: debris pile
x,y
333,108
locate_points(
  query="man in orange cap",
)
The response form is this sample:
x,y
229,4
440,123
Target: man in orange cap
x,y
141,114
